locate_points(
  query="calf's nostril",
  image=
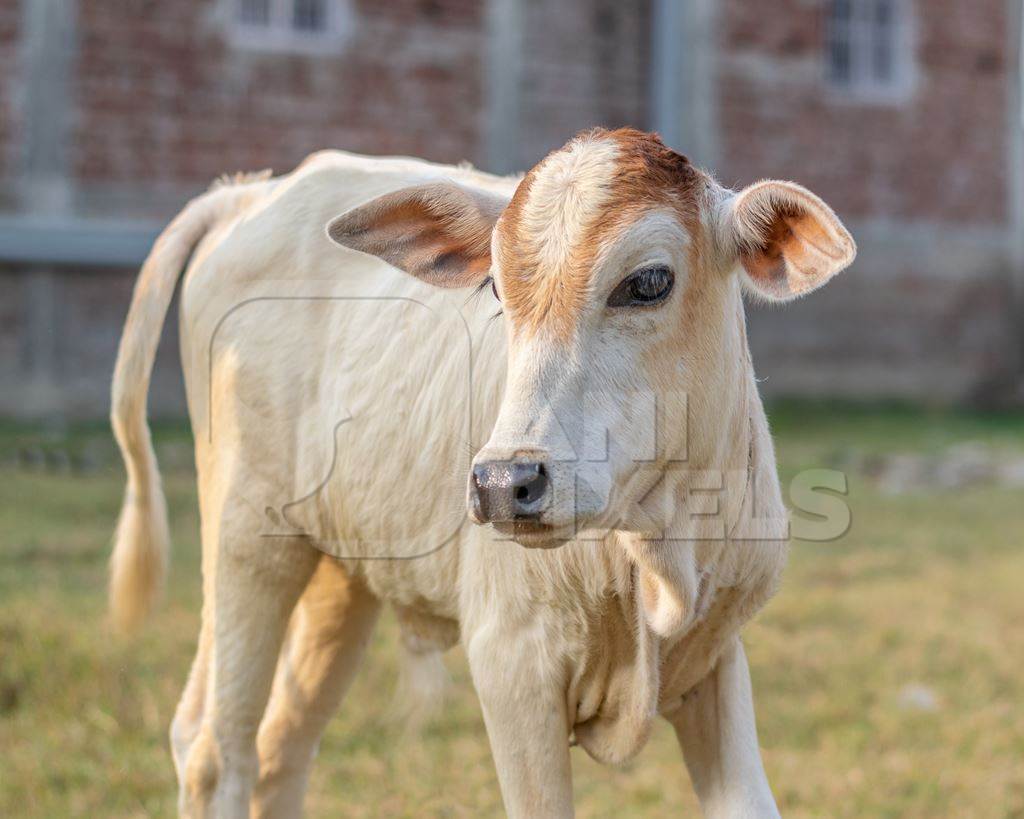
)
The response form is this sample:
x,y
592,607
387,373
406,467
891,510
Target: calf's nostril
x,y
530,483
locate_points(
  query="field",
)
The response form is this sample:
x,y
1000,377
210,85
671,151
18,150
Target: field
x,y
888,673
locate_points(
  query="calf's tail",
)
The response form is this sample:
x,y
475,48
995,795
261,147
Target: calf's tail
x,y
141,541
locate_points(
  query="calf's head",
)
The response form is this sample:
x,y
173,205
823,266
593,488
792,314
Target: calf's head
x,y
615,263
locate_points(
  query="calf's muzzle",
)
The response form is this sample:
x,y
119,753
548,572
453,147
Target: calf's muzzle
x,y
506,491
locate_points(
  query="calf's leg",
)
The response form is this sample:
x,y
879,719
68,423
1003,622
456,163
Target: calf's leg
x,y
523,701
331,627
255,587
188,716
715,727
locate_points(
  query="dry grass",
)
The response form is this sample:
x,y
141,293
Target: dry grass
x,y
924,590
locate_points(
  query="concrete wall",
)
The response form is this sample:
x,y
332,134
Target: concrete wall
x,y
59,330
923,315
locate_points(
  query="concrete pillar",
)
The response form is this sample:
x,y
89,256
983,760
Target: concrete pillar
x,y
504,85
1015,164
667,47
47,59
48,38
684,44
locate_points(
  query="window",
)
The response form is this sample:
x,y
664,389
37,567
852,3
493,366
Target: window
x,y
312,26
254,12
868,49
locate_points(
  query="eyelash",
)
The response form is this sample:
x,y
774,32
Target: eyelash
x,y
483,286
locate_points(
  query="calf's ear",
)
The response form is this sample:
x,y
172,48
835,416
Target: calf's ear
x,y
788,241
438,232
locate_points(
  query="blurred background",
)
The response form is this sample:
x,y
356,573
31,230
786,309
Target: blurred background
x,y
887,672
905,116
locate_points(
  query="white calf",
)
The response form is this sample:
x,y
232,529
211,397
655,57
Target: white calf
x,y
340,392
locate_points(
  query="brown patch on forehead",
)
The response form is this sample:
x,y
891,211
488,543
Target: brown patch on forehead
x,y
542,293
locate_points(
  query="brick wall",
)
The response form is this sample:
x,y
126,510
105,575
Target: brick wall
x,y
925,317
937,156
164,103
927,312
10,23
59,331
94,304
161,95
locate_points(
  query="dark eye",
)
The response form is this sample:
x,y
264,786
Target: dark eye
x,y
645,287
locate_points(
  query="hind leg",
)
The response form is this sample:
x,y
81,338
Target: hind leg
x,y
331,627
188,716
255,586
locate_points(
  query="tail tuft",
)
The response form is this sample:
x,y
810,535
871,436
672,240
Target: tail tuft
x,y
141,544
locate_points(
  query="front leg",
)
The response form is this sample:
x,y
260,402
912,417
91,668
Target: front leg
x,y
716,730
523,701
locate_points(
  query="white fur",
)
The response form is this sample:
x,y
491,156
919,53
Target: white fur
x,y
337,405
569,190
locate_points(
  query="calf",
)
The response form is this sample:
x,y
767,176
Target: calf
x,y
585,323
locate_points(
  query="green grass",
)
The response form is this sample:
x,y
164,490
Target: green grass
x,y
924,589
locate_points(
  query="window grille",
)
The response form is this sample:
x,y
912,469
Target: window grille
x,y
288,25
867,47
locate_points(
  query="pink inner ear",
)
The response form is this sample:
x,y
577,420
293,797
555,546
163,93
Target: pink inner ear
x,y
766,265
438,233
796,256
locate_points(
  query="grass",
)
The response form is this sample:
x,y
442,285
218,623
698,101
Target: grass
x,y
924,590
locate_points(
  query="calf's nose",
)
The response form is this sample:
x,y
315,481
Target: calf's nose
x,y
503,491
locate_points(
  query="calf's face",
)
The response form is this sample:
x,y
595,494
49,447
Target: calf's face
x,y
613,263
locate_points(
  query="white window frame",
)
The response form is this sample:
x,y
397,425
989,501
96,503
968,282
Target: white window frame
x,y
279,34
860,33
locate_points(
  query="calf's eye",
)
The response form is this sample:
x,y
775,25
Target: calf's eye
x,y
645,287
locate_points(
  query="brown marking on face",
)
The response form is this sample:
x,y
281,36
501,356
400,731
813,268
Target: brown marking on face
x,y
540,293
